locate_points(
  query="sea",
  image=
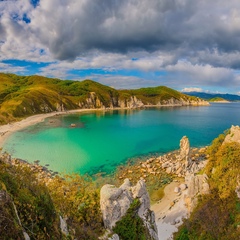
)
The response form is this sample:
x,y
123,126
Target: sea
x,y
100,141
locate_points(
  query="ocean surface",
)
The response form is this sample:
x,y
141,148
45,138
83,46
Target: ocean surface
x,y
101,141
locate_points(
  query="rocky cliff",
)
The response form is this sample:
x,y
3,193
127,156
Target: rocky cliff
x,y
116,201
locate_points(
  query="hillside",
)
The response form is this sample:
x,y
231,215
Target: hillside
x,y
208,96
218,99
22,96
217,215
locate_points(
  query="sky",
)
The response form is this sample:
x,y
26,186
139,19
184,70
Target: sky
x,y
188,45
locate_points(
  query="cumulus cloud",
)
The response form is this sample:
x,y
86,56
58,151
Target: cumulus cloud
x,y
192,89
77,26
69,29
195,42
7,68
122,82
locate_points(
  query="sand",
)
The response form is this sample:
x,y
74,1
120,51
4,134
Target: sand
x,y
169,210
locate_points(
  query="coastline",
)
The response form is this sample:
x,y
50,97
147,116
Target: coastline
x,y
8,129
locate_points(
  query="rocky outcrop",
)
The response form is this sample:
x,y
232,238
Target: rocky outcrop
x,y
185,161
133,102
63,226
197,185
184,151
238,187
93,101
181,102
116,201
234,135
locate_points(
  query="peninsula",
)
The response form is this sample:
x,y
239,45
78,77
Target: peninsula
x,y
24,96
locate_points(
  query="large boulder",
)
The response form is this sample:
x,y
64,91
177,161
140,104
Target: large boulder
x,y
116,201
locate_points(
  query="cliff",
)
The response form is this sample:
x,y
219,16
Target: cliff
x,y
22,96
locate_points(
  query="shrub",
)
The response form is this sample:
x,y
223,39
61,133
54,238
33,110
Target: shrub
x,y
131,226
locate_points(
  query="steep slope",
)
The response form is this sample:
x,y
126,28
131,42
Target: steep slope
x,y
22,96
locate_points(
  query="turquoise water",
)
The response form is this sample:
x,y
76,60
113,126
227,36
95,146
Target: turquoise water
x,y
103,140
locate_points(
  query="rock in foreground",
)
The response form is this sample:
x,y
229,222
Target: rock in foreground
x,y
116,201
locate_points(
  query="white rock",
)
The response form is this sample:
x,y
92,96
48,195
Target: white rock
x,y
183,186
176,189
115,202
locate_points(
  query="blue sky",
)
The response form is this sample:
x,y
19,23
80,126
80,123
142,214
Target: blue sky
x,y
183,44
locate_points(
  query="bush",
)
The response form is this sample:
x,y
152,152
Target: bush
x,y
131,226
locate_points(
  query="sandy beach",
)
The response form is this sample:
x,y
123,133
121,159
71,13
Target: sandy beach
x,y
169,212
8,129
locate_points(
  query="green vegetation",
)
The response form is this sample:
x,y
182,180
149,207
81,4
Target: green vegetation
x,y
77,198
39,206
154,95
33,203
22,96
217,215
131,226
217,99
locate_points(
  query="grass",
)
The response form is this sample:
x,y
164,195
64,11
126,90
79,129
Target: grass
x,y
22,96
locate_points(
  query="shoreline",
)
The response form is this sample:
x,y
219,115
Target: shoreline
x,y
8,129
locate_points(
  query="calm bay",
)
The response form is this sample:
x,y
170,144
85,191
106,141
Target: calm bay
x,y
100,141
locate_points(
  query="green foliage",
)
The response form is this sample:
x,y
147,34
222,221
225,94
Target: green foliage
x,y
39,206
131,226
217,99
77,199
217,215
33,202
153,95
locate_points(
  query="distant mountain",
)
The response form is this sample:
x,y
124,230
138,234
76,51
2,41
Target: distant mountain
x,y
208,96
22,96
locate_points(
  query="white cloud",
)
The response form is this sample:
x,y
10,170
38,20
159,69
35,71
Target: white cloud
x,y
122,82
193,44
7,68
192,89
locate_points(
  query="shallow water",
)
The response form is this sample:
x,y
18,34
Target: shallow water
x,y
103,140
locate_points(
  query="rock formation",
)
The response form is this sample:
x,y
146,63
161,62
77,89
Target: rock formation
x,y
116,201
63,226
238,187
184,151
197,185
234,135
